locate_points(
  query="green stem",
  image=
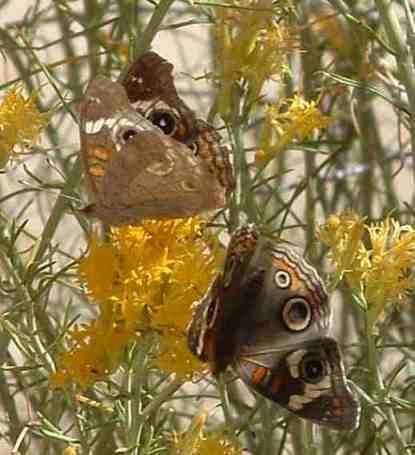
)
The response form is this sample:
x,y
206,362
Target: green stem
x,y
55,217
162,397
300,440
225,403
377,386
135,379
310,64
143,41
246,201
404,60
267,444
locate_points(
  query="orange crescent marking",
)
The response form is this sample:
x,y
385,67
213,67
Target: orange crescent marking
x,y
277,382
338,412
101,153
338,407
296,283
258,375
96,171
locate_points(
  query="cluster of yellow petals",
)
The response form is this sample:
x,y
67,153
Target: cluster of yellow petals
x,y
217,444
194,442
343,235
345,39
376,259
146,277
20,123
291,120
175,357
250,47
94,353
327,24
188,442
69,451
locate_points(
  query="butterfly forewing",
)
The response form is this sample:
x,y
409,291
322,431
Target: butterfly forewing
x,y
135,167
150,89
210,331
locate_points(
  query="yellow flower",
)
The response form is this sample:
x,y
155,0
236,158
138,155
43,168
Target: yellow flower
x,y
343,235
173,268
100,269
147,277
381,271
95,353
193,442
187,443
217,444
388,277
69,451
327,23
251,47
104,407
345,39
175,356
152,272
20,123
260,157
295,123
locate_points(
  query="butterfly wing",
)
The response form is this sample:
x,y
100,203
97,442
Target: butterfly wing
x,y
134,169
308,380
282,349
154,176
150,88
268,315
103,101
210,330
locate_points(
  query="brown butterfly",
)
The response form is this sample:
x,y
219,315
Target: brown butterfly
x,y
144,152
268,316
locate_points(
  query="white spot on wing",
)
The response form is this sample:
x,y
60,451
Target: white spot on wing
x,y
110,122
161,168
297,402
94,126
293,361
94,99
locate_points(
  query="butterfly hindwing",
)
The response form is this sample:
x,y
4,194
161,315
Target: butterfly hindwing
x,y
272,318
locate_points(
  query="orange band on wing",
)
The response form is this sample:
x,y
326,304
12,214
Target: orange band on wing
x,y
277,382
258,375
101,153
96,171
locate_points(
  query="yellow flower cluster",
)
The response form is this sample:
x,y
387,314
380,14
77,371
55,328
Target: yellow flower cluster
x,y
147,277
20,123
194,442
95,351
250,48
378,270
287,122
327,24
343,235
188,442
69,451
217,444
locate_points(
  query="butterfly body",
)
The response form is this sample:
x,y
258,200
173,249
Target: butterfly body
x,y
144,153
268,317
